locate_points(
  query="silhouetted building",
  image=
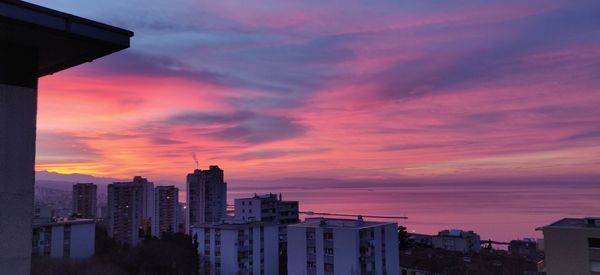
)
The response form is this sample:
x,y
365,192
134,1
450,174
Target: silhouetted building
x,y
130,210
237,247
181,217
270,208
343,246
572,246
34,42
73,238
167,209
524,247
84,200
206,196
457,240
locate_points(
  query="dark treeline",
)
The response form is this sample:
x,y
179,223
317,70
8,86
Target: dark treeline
x,y
171,254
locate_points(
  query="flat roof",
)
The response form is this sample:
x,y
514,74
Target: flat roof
x,y
51,222
338,223
63,40
572,223
233,224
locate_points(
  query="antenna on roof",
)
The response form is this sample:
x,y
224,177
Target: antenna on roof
x,y
195,159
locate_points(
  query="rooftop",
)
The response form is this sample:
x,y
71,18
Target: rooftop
x,y
62,40
232,224
575,223
52,222
339,223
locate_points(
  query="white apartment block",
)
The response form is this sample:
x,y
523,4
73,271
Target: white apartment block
x,y
237,247
64,239
321,246
266,208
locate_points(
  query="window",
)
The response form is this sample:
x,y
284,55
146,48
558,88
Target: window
x,y
310,235
312,250
594,243
595,266
328,236
328,267
328,251
311,264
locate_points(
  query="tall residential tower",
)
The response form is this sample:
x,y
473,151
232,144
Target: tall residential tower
x,y
167,210
206,196
84,200
130,210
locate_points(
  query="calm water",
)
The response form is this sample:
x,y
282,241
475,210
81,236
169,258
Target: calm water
x,y
501,213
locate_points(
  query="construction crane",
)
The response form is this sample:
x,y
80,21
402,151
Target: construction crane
x,y
312,213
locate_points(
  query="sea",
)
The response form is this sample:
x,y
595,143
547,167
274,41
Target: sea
x,y
500,212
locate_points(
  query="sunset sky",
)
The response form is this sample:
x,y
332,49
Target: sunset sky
x,y
331,89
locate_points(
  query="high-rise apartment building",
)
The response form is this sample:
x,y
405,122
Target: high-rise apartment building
x,y
237,247
322,246
572,246
167,209
206,196
84,200
130,210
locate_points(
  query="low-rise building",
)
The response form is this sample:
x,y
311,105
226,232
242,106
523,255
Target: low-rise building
x,y
572,246
322,246
74,238
237,247
267,208
457,240
525,247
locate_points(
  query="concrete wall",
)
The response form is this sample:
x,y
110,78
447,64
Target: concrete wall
x,y
271,248
392,252
83,237
567,250
17,155
57,241
296,250
346,252
247,209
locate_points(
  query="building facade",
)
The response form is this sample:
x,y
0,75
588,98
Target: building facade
x,y
457,240
130,210
320,246
525,247
206,196
270,208
167,210
237,247
84,200
64,239
267,208
572,246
